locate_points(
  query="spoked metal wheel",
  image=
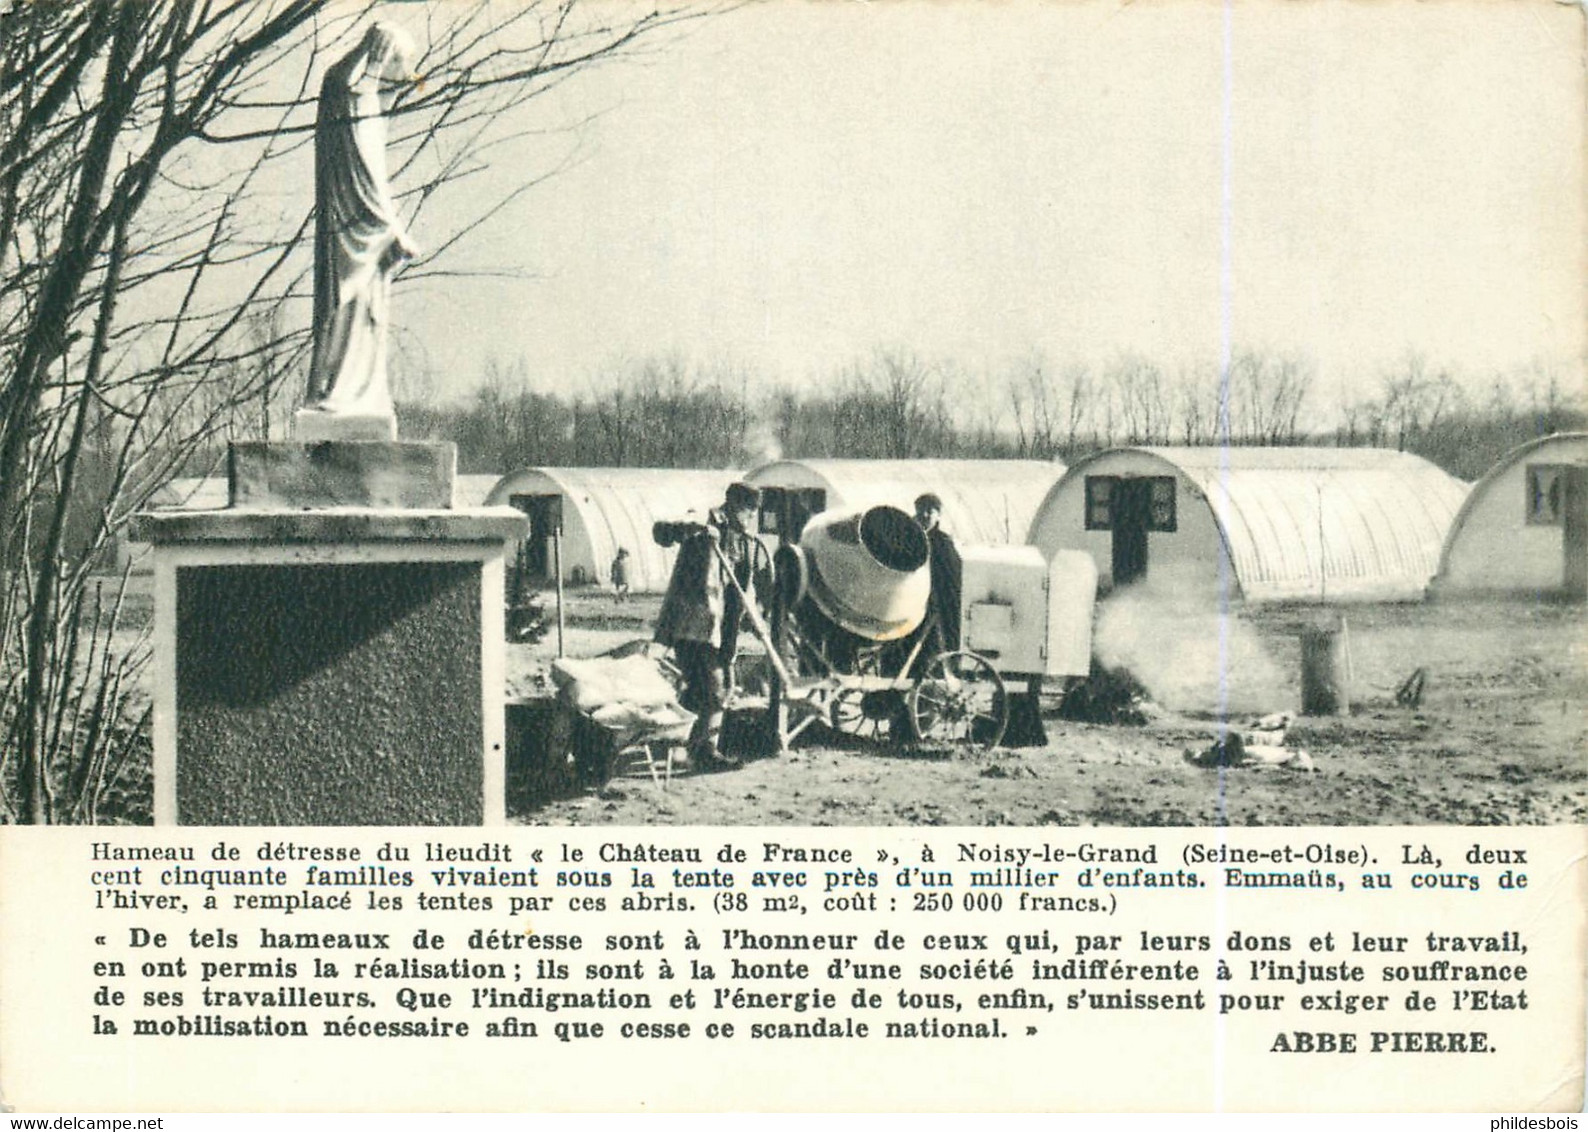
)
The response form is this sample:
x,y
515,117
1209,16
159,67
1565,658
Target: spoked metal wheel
x,y
960,698
867,715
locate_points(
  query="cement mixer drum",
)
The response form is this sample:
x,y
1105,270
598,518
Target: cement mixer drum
x,y
867,571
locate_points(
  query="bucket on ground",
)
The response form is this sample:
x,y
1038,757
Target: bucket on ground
x,y
1325,670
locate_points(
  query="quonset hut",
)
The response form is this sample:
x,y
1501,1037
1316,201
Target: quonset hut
x,y
600,510
985,502
1523,531
1272,524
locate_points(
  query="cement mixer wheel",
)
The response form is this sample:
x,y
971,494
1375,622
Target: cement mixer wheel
x,y
960,698
865,714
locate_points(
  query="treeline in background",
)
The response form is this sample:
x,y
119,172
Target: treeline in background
x,y
668,412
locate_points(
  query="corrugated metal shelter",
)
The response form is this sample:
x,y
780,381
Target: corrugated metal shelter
x,y
1524,528
1272,524
604,509
985,502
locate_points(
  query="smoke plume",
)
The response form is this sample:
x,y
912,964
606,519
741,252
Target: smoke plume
x,y
1190,656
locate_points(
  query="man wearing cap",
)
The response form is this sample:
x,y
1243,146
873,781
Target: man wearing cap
x,y
944,566
702,609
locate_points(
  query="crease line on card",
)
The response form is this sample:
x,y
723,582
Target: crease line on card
x,y
1226,289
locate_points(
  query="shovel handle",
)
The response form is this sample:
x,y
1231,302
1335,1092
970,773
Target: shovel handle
x,y
757,626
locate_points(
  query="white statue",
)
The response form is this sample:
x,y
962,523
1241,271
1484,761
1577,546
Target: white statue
x,y
359,240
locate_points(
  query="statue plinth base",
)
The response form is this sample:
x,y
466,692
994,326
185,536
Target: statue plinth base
x,y
317,424
342,473
329,664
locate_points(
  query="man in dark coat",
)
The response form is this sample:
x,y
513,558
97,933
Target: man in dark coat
x,y
702,610
945,568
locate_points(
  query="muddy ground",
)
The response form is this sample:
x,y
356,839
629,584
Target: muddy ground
x,y
1500,736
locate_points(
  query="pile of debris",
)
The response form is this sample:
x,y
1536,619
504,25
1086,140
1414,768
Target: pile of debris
x,y
527,622
1109,695
1260,744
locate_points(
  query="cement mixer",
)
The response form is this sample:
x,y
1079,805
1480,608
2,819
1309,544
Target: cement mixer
x,y
851,619
852,641
866,571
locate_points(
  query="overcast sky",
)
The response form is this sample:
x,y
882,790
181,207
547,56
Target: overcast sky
x,y
793,184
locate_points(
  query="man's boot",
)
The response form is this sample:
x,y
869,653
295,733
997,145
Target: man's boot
x,y
706,744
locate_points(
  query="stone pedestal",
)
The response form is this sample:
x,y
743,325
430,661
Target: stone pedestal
x,y
325,661
346,473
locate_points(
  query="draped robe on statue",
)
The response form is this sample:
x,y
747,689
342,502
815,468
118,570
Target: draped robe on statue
x,y
359,241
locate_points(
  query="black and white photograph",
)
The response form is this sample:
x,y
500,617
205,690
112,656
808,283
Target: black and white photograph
x,y
792,555
791,413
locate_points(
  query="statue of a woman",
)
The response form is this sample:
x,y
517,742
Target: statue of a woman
x,y
359,241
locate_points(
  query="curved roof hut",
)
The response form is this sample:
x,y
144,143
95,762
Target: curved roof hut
x,y
985,502
1266,524
603,509
1523,531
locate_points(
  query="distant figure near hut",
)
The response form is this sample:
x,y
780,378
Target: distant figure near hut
x,y
620,576
359,241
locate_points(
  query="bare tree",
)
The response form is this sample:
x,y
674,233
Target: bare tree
x,y
1416,399
1031,400
1139,390
687,416
1201,402
1357,418
1264,394
1054,408
1552,401
892,406
153,283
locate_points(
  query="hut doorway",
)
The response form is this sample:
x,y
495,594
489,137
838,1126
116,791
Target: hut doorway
x,y
1132,516
1574,534
1129,507
786,510
534,564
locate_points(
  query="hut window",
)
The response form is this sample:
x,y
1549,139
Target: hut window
x,y
1162,517
1545,486
1099,502
1153,495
